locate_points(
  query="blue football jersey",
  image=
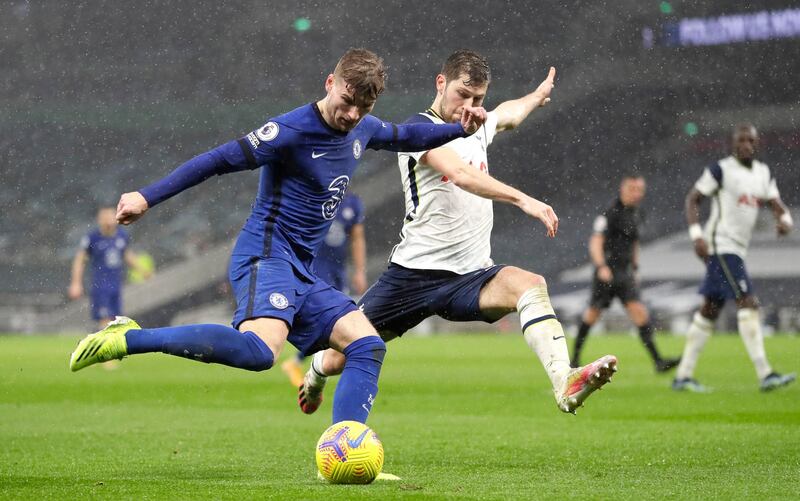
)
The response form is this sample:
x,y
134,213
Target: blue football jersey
x,y
331,262
306,167
106,258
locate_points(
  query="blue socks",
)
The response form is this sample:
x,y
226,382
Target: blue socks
x,y
358,385
209,343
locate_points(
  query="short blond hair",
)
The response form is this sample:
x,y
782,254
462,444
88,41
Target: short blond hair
x,y
363,72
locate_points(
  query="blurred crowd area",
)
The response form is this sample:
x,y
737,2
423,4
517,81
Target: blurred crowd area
x,y
103,97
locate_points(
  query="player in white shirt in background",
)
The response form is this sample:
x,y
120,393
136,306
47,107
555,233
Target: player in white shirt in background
x,y
443,264
737,185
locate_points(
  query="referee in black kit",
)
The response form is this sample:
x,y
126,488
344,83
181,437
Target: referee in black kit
x,y
614,251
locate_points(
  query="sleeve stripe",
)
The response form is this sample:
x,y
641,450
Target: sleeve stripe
x,y
394,133
248,154
716,172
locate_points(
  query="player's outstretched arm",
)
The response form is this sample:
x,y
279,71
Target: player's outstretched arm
x,y
511,113
468,178
424,136
230,157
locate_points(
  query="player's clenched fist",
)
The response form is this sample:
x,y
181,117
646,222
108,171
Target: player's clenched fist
x,y
472,118
131,207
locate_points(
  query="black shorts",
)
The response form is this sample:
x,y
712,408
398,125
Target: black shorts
x,y
403,297
623,286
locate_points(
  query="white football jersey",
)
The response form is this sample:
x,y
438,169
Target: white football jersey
x,y
445,228
736,192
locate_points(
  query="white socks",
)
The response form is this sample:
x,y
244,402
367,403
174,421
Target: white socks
x,y
696,337
750,330
318,377
544,334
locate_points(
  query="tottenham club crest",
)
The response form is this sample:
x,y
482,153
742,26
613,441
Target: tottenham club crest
x,y
268,132
278,300
357,149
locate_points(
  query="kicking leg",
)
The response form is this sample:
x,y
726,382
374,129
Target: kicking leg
x,y
528,293
254,348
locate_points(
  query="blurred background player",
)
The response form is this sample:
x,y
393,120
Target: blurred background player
x,y
346,232
614,251
106,249
443,265
738,185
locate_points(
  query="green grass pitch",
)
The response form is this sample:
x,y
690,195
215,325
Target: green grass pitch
x,y
461,417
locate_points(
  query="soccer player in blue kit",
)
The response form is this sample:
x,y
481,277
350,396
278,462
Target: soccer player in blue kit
x,y
106,249
306,158
346,233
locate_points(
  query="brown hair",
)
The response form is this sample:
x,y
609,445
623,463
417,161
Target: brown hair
x,y
363,72
469,63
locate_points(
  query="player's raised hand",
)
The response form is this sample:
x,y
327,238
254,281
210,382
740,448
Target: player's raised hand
x,y
544,89
472,119
131,207
543,213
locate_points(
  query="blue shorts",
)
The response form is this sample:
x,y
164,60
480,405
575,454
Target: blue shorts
x,y
105,303
726,278
271,287
402,297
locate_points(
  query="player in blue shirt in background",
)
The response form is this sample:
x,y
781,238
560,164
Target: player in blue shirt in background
x,y
346,232
106,249
306,158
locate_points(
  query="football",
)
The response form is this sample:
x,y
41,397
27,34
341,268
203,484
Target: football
x,y
349,452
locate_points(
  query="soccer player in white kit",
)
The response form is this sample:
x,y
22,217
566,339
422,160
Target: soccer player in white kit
x,y
737,185
443,265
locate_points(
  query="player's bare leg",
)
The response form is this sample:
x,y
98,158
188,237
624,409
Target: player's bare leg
x,y
272,331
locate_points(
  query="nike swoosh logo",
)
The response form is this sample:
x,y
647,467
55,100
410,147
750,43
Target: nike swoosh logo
x,y
355,443
559,337
317,155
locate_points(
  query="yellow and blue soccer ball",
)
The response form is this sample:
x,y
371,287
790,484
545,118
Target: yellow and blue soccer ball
x,y
349,452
